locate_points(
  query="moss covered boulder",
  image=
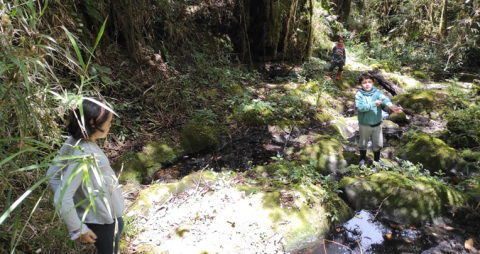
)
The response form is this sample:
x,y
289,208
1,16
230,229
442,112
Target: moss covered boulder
x,y
398,118
472,187
431,152
405,82
139,167
420,75
402,200
338,127
421,101
209,212
196,137
327,151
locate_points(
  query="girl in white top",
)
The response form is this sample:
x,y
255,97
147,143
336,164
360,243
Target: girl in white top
x,y
86,189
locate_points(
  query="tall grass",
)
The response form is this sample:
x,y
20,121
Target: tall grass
x,y
32,101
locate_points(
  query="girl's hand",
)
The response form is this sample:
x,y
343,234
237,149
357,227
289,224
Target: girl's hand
x,y
378,102
88,237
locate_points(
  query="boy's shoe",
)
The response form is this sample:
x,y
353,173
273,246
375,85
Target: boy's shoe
x,y
363,155
339,75
376,157
329,75
361,163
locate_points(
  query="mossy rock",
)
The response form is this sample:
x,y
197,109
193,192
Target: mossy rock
x,y
311,216
139,167
403,200
472,187
387,67
463,127
256,118
420,101
398,118
196,137
351,158
389,125
420,75
234,89
326,150
405,82
338,127
281,168
308,218
159,193
431,152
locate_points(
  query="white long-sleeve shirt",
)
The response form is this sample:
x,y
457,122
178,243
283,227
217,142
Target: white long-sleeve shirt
x,y
71,180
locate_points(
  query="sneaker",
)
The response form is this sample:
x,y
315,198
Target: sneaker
x,y
361,163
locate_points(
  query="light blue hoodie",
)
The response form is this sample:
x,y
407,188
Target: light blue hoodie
x,y
368,112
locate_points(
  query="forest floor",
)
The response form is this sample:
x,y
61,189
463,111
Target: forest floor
x,y
212,218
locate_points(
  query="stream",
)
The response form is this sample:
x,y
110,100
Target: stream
x,y
362,234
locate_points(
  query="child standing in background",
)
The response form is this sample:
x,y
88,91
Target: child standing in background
x,y
338,58
87,194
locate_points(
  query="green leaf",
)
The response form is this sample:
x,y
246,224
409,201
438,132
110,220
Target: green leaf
x,y
106,80
325,6
75,46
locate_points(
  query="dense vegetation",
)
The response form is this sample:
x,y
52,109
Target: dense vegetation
x,y
169,66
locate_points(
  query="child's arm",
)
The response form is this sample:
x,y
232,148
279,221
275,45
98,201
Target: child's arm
x,y
362,104
333,52
389,104
72,180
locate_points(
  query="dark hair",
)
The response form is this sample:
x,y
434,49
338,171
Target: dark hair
x,y
341,39
91,113
364,76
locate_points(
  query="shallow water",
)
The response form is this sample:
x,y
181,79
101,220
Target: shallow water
x,y
362,234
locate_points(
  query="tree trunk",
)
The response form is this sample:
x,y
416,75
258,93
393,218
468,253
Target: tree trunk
x,y
310,32
389,86
443,20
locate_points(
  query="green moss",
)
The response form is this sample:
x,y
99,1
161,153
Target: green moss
x,y
308,215
421,101
472,187
275,168
431,152
196,137
351,158
398,118
248,189
326,151
234,89
404,200
421,75
405,82
138,167
338,127
157,193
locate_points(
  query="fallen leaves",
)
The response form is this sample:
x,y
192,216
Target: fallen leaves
x,y
469,244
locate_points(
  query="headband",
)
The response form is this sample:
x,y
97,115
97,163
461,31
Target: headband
x,y
102,111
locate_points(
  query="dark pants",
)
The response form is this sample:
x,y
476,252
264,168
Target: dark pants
x,y
106,235
335,64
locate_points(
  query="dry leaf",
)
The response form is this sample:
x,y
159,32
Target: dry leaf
x,y
389,236
469,244
337,229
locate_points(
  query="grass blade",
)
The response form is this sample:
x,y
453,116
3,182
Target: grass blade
x,y
75,46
